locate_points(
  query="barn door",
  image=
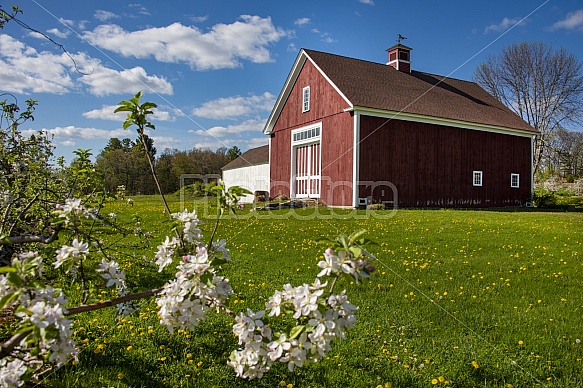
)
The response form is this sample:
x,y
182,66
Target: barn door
x,y
307,171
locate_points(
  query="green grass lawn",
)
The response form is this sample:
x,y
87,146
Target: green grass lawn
x,y
460,298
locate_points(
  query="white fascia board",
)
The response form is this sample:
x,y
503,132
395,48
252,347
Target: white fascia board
x,y
285,91
439,121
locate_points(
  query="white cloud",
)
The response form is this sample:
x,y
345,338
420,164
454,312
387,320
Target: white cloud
x,y
573,21
368,2
199,19
302,21
25,70
104,81
72,132
104,15
505,24
292,48
106,112
232,107
221,47
68,143
58,33
252,125
326,36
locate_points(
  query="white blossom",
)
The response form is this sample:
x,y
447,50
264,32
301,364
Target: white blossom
x,y
11,372
165,252
112,274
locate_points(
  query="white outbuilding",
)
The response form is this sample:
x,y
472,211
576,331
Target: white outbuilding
x,y
249,171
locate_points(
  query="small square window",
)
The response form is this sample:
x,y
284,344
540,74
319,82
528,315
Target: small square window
x,y
306,99
515,180
477,178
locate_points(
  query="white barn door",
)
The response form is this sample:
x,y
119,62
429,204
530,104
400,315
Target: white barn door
x,y
307,171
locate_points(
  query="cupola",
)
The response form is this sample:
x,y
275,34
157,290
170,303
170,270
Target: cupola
x,y
400,57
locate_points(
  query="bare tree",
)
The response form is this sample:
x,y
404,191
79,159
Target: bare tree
x,y
542,85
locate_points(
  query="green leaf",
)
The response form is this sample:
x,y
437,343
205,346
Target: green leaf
x,y
7,269
296,331
354,236
13,278
7,299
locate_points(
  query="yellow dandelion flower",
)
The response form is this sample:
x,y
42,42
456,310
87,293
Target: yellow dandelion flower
x,y
282,383
521,342
441,379
189,355
129,348
120,376
163,359
475,364
388,385
162,347
290,385
199,363
434,381
190,362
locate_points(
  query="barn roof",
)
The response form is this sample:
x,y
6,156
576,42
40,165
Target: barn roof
x,y
377,87
252,157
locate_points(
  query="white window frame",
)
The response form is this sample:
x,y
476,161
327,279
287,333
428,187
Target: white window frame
x,y
305,99
513,184
477,178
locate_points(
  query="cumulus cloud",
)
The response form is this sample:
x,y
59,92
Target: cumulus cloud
x,y
505,24
368,2
573,21
251,125
106,112
325,36
223,46
104,15
302,21
58,33
104,81
25,70
72,132
233,107
199,19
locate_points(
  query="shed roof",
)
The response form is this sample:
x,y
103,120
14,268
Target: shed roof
x,y
252,157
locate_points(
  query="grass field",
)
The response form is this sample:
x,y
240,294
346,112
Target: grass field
x,y
460,298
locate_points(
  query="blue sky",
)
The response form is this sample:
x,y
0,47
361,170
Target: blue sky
x,y
215,68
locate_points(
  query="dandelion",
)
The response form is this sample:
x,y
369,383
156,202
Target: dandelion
x,y
120,376
520,342
129,348
434,381
475,364
441,379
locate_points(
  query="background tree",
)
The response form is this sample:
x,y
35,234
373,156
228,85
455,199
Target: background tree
x,y
233,153
542,85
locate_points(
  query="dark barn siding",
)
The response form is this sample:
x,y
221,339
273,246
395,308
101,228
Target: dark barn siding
x,y
431,165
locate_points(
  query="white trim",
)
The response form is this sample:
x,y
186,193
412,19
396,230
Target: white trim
x,y
476,173
438,121
355,160
517,186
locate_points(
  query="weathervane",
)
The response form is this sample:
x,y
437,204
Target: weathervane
x,y
400,38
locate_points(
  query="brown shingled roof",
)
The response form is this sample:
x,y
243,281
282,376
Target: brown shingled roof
x,y
378,86
254,156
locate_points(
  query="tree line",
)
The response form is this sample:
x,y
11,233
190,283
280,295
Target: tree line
x,y
124,163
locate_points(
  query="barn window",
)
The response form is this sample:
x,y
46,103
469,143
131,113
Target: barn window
x,y
477,178
515,180
306,99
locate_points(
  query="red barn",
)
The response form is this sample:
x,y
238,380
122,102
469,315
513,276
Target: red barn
x,y
353,132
